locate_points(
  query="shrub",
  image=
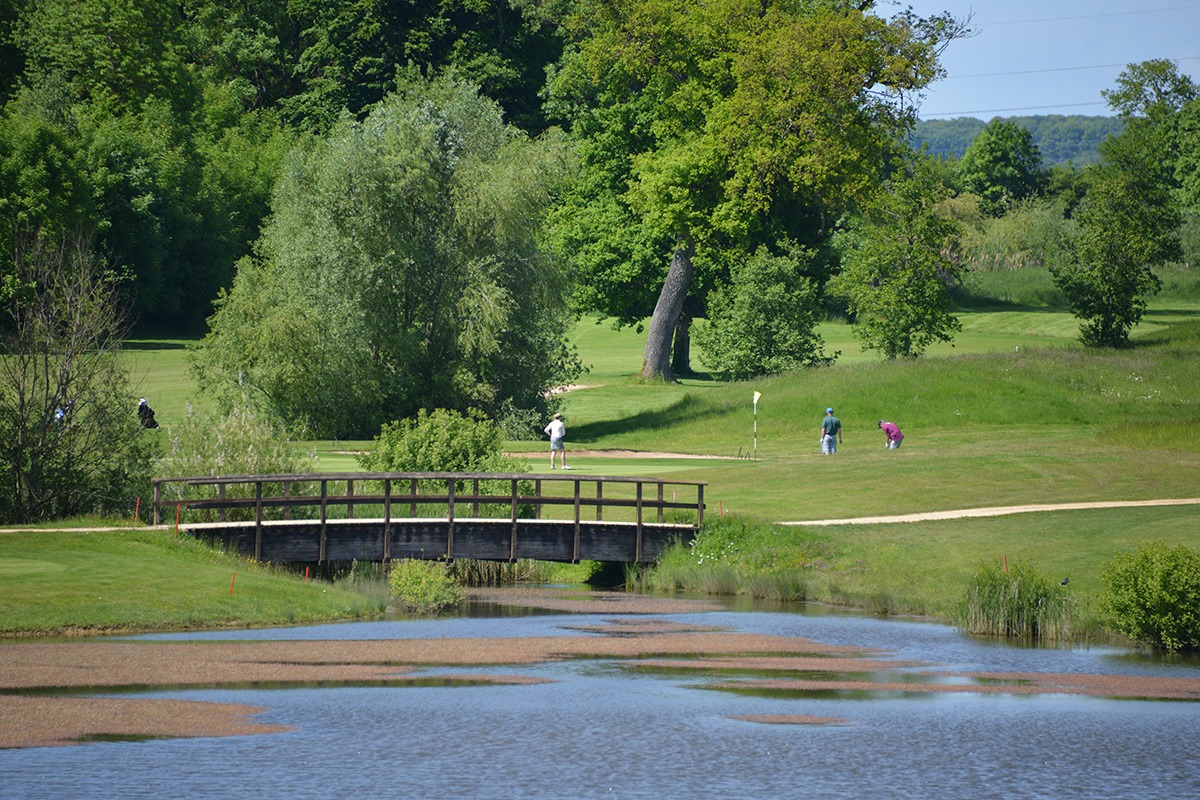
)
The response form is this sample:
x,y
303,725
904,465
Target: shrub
x,y
1017,601
241,442
1153,595
446,441
423,587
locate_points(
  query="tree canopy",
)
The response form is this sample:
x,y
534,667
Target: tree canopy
x,y
711,129
1002,167
401,269
896,271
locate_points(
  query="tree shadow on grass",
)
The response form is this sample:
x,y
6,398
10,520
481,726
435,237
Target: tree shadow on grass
x,y
684,410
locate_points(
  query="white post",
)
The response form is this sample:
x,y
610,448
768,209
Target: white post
x,y
756,396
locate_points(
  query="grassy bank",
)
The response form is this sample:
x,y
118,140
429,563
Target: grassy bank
x,y
127,579
1015,413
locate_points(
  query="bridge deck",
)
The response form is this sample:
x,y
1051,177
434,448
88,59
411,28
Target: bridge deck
x,y
465,538
332,531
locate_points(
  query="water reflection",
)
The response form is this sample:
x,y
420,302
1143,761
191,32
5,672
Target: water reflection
x,y
599,728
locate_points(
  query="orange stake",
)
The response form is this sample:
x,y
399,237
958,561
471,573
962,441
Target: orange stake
x,y
231,580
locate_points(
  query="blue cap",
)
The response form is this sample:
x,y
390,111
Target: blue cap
x,y
829,411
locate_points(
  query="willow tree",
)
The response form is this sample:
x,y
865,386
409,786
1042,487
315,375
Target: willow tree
x,y
401,269
708,129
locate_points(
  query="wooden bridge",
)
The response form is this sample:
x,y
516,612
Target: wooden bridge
x,y
316,517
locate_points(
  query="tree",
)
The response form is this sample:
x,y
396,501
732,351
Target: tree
x,y
896,269
1002,166
70,440
401,269
1128,224
1129,220
764,321
710,129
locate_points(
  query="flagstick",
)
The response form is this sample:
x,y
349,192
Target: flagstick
x,y
756,396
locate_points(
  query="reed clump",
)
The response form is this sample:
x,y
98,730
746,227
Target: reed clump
x,y
424,587
1017,601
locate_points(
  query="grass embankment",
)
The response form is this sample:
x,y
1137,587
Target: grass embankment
x,y
126,579
1015,413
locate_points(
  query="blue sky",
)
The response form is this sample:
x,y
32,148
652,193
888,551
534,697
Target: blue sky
x,y
1052,56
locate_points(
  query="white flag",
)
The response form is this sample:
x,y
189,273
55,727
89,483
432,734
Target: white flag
x,y
756,396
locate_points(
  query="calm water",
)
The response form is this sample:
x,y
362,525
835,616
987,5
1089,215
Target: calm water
x,y
600,731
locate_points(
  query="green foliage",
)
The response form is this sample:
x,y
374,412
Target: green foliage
x,y
239,442
1034,233
1127,225
764,321
446,441
1017,601
896,273
401,269
710,129
1153,595
423,587
1002,166
442,441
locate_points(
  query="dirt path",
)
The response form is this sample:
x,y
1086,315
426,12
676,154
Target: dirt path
x,y
996,511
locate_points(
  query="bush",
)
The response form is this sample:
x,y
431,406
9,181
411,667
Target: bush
x,y
446,441
1017,602
764,321
423,587
241,442
1153,595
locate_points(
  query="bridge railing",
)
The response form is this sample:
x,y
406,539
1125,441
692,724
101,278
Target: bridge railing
x,y
445,495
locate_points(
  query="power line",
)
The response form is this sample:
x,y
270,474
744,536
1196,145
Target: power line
x,y
1092,16
1053,69
1006,110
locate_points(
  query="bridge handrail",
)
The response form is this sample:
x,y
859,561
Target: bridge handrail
x,y
450,497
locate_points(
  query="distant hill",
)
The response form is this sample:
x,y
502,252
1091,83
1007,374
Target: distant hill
x,y
1058,138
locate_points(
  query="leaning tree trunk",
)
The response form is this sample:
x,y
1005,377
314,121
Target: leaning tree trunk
x,y
657,363
681,357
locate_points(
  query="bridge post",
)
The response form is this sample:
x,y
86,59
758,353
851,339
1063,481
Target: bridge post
x,y
660,502
412,509
387,519
257,519
450,520
537,499
475,505
599,497
349,499
699,505
324,518
221,497
512,545
637,549
157,500
575,557
287,495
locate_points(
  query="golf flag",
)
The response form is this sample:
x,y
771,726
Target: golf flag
x,y
756,396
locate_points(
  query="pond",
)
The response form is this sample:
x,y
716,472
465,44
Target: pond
x,y
600,728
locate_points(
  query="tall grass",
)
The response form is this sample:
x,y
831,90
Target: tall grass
x,y
1017,601
741,555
